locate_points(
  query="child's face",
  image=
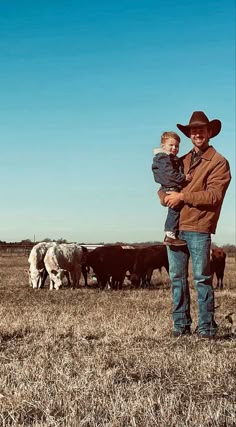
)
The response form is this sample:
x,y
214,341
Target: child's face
x,y
171,145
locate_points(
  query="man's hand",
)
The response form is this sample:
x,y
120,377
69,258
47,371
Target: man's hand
x,y
161,194
173,199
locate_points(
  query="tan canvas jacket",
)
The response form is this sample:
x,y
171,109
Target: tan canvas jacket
x,y
204,195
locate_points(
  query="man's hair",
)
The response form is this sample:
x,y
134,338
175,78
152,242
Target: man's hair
x,y
168,135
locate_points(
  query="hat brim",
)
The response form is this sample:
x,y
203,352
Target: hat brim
x,y
214,126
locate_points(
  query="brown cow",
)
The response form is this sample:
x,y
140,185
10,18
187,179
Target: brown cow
x,y
148,259
218,265
110,264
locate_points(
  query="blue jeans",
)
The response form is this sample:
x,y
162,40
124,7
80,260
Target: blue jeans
x,y
172,220
198,248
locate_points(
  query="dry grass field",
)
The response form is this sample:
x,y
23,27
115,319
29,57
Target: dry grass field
x,y
92,358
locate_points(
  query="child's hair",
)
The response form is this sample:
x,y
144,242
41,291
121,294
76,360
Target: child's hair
x,y
167,135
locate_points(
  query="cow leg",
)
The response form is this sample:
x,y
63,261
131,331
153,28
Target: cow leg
x,y
113,283
102,281
77,275
51,286
221,283
43,279
116,283
121,281
68,276
148,277
73,279
212,276
84,269
144,281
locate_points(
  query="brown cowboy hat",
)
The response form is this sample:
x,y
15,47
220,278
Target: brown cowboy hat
x,y
199,118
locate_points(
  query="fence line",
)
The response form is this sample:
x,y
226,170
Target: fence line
x,y
14,249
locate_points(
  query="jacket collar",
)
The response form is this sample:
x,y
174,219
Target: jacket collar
x,y
160,150
207,155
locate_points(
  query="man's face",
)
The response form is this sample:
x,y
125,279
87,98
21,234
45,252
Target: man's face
x,y
200,137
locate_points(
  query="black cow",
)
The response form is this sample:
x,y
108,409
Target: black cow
x,y
126,263
110,264
148,259
106,264
218,265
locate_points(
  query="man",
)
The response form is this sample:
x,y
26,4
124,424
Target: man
x,y
201,202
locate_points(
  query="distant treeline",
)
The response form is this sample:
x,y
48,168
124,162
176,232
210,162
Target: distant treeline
x,y
27,243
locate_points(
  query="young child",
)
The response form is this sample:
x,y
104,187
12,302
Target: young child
x,y
167,171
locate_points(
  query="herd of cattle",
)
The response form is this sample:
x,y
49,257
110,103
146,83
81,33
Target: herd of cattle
x,y
110,264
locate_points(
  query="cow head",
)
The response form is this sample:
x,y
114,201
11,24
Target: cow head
x,y
35,277
58,277
218,253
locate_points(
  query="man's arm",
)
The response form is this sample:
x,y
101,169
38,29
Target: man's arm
x,y
216,187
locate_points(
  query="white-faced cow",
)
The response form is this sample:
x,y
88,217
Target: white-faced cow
x,y
218,265
64,260
37,272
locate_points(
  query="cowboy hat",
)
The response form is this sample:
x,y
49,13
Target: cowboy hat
x,y
199,118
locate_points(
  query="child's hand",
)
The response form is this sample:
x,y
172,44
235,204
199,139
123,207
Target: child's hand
x,y
188,177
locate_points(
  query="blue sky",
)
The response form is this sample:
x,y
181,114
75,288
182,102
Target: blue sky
x,y
86,89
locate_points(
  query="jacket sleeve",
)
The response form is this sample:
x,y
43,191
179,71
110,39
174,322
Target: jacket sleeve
x,y
161,194
164,172
217,183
